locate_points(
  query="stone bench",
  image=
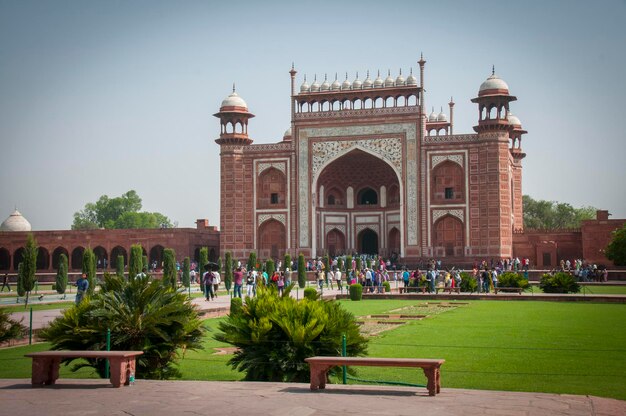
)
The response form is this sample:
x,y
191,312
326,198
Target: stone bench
x,y
519,290
412,289
319,367
46,364
449,289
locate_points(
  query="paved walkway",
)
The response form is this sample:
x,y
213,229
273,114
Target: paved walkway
x,y
96,397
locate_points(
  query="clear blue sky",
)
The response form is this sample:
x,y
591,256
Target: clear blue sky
x,y
103,97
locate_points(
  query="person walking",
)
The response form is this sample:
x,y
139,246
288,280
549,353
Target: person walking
x,y
216,282
207,281
238,279
338,279
82,284
5,283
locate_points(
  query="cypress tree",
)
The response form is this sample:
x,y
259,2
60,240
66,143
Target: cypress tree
x,y
29,265
204,259
144,262
251,260
219,265
89,268
340,263
228,271
61,278
119,266
301,271
269,267
136,261
169,268
20,281
348,264
358,264
287,262
326,263
186,270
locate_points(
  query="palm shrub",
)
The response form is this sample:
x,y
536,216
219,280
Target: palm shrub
x,y
135,263
512,279
560,282
119,266
301,271
310,293
235,305
228,271
89,268
142,314
186,270
10,328
356,291
468,283
274,335
60,282
169,267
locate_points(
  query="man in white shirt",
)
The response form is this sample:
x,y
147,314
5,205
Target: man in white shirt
x,y
338,279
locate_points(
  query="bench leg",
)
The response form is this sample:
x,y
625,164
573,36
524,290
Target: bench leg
x,y
438,379
45,370
430,374
318,376
121,368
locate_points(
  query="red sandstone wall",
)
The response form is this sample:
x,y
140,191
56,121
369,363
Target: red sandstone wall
x,y
596,235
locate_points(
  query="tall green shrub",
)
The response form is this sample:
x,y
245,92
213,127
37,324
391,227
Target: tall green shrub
x,y
269,267
274,334
348,264
301,271
119,266
144,262
29,265
220,267
326,263
287,262
228,271
204,258
359,264
356,291
61,277
310,293
468,283
89,268
251,261
186,270
136,260
368,263
169,268
340,263
21,292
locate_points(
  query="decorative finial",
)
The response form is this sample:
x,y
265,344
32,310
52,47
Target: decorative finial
x,y
315,78
441,109
292,65
389,72
357,74
335,76
421,55
233,87
304,77
346,75
379,73
493,69
400,71
411,71
368,73
325,77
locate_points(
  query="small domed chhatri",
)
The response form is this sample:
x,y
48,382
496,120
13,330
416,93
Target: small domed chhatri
x,y
305,86
493,84
15,222
336,85
368,81
378,82
442,116
357,84
411,80
234,100
513,120
389,82
346,85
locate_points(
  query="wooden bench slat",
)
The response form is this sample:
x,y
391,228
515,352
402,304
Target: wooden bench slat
x,y
84,354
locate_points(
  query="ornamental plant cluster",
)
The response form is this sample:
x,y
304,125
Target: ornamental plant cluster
x,y
560,282
142,314
274,334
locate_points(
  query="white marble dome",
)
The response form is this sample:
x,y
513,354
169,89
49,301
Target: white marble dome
x,y
15,222
346,84
287,132
513,120
378,82
315,87
357,84
411,80
441,116
389,82
305,86
234,100
400,80
325,85
432,116
493,83
336,85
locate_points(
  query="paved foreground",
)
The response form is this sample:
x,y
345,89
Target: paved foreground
x,y
96,397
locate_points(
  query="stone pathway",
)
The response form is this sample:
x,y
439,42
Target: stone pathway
x,y
155,398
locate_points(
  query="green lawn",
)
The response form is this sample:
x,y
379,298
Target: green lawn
x,y
556,347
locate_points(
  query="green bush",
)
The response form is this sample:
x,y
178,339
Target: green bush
x,y
21,291
135,262
468,283
228,271
387,287
60,283
251,261
560,282
89,268
287,262
270,268
186,271
274,335
356,291
512,279
143,315
119,266
310,293
235,305
301,271
9,328
54,286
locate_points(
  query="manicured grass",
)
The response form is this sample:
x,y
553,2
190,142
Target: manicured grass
x,y
19,307
555,347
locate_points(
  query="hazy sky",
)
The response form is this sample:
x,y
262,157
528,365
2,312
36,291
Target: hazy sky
x,y
103,97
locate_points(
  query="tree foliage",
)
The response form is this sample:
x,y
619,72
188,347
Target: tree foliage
x,y
204,258
169,268
269,267
251,261
560,282
228,271
287,261
301,271
116,213
29,265
10,328
135,263
119,266
20,280
89,268
142,315
61,277
616,250
186,270
274,334
540,214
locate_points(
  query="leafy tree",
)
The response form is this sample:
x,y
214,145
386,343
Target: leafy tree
x,y
9,328
274,335
368,263
287,261
616,250
228,271
269,267
89,268
119,266
251,261
540,214
29,266
186,270
61,278
301,271
142,315
169,268
135,262
119,212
